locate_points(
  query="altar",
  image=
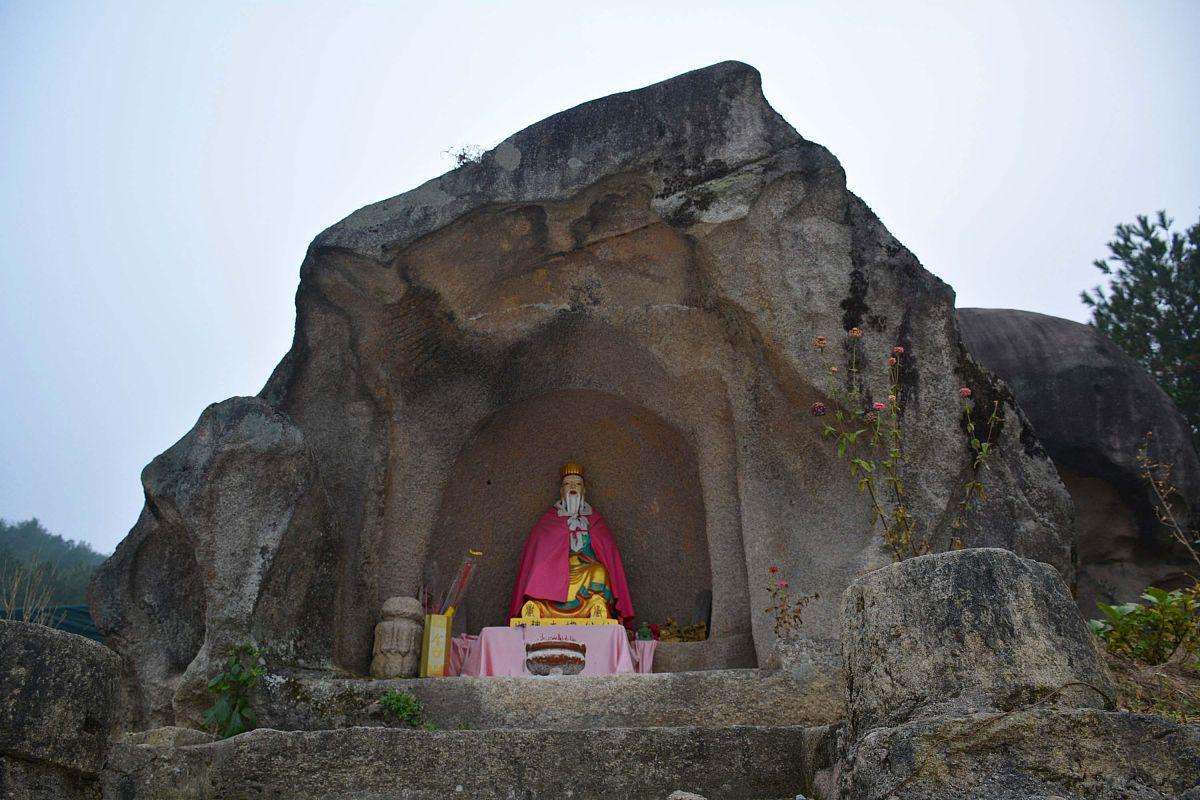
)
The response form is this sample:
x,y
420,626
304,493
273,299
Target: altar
x,y
570,610
606,650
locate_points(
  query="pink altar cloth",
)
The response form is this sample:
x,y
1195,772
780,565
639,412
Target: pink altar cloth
x,y
501,651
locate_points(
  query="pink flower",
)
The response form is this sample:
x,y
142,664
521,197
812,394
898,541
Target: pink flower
x,y
898,350
781,584
818,409
892,361
891,398
833,370
878,406
964,392
772,570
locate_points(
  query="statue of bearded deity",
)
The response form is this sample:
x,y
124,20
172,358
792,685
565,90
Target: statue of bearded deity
x,y
571,568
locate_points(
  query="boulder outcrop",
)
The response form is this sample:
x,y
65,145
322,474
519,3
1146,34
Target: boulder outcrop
x,y
634,283
60,701
1091,406
235,544
965,631
1028,753
971,674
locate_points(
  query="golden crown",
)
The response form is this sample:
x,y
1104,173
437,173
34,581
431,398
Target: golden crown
x,y
571,469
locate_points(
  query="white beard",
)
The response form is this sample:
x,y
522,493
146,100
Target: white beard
x,y
571,503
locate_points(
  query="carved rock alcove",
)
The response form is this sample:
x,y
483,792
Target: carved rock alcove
x,y
642,476
635,283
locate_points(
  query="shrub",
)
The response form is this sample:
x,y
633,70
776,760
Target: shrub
x,y
231,714
466,154
403,707
1169,623
787,610
1154,649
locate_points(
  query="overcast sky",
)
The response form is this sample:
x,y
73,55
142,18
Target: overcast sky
x,y
163,166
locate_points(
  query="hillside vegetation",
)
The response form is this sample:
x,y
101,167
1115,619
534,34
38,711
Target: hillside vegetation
x,y
67,565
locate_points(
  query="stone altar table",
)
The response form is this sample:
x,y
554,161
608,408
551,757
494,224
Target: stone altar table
x,y
501,650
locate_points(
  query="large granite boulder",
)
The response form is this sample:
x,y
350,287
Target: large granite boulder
x,y
1091,406
60,701
634,283
1028,753
972,675
969,630
235,544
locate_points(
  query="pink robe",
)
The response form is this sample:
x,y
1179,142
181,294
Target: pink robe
x,y
545,573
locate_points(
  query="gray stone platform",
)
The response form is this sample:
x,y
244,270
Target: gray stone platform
x,y
747,763
715,698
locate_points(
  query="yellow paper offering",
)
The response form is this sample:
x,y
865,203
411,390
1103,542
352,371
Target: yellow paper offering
x,y
435,645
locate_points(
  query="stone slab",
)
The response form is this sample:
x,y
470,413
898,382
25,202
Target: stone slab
x,y
745,763
711,698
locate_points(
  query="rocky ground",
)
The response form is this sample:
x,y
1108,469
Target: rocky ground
x,y
967,674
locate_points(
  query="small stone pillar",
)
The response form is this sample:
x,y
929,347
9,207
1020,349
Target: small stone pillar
x,y
397,651
965,631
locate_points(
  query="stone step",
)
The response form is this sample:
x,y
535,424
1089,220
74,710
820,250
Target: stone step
x,y
728,763
716,698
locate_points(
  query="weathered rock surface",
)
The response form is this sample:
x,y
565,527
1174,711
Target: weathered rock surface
x,y
634,283
168,736
971,675
59,703
963,631
710,699
27,780
387,764
1028,753
58,696
1091,406
234,545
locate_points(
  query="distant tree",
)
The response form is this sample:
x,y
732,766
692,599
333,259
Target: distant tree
x,y
61,566
1152,307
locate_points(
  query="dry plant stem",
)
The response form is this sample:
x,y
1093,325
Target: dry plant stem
x,y
29,588
889,536
1162,488
973,487
788,613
